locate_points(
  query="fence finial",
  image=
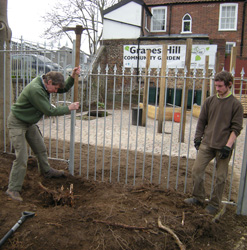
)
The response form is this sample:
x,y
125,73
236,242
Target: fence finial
x,y
106,69
242,72
140,71
167,71
185,70
123,69
132,69
194,72
158,71
176,72
115,69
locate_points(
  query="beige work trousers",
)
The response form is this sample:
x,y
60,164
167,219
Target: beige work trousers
x,y
204,156
20,133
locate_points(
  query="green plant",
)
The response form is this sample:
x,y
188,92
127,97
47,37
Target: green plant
x,y
101,105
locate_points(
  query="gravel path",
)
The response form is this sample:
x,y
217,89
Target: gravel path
x,y
145,139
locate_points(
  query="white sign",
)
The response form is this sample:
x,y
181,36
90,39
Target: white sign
x,y
136,57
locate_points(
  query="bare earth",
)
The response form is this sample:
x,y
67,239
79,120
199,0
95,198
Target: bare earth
x,y
103,215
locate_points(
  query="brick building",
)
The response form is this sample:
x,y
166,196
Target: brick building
x,y
148,22
215,19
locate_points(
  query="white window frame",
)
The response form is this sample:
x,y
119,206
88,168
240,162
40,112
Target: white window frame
x,y
230,43
235,17
183,21
165,20
146,21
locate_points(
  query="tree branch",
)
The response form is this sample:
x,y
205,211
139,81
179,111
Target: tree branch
x,y
114,224
180,244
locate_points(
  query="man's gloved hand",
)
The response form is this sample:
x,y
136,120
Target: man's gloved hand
x,y
197,143
224,152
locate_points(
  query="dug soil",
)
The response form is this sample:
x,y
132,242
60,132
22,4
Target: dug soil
x,y
82,212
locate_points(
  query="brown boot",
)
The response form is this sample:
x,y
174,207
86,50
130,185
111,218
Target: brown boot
x,y
53,173
15,195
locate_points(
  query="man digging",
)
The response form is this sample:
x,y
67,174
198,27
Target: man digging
x,y
29,108
219,124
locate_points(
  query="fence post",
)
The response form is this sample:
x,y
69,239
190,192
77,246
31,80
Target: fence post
x,y
205,87
5,95
145,91
72,125
5,79
162,89
217,62
78,31
242,191
187,64
233,58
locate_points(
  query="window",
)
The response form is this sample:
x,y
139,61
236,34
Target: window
x,y
186,24
229,46
228,16
159,19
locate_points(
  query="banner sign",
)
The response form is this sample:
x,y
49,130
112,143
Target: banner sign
x,y
175,56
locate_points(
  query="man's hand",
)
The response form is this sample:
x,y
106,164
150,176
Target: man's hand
x,y
197,143
76,71
74,106
224,152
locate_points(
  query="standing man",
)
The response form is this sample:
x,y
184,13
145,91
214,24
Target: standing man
x,y
219,124
29,108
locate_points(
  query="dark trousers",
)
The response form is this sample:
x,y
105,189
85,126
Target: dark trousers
x,y
204,156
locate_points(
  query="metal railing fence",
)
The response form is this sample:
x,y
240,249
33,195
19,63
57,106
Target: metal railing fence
x,y
109,143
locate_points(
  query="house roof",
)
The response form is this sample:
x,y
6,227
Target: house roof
x,y
162,2
146,3
123,2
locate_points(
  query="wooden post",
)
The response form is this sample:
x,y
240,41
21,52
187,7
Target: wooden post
x,y
217,69
162,89
78,32
217,62
233,65
204,94
145,91
185,95
233,59
211,87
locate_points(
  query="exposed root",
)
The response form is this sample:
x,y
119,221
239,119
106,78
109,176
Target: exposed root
x,y
54,224
114,224
180,244
60,197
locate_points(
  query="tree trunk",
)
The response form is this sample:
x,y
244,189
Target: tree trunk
x,y
5,81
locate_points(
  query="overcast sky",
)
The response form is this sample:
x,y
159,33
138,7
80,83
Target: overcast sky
x,y
24,18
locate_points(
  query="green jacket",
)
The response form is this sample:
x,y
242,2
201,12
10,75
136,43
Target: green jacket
x,y
34,102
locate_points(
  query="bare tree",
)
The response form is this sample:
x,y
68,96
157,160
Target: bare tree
x,y
5,38
87,13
